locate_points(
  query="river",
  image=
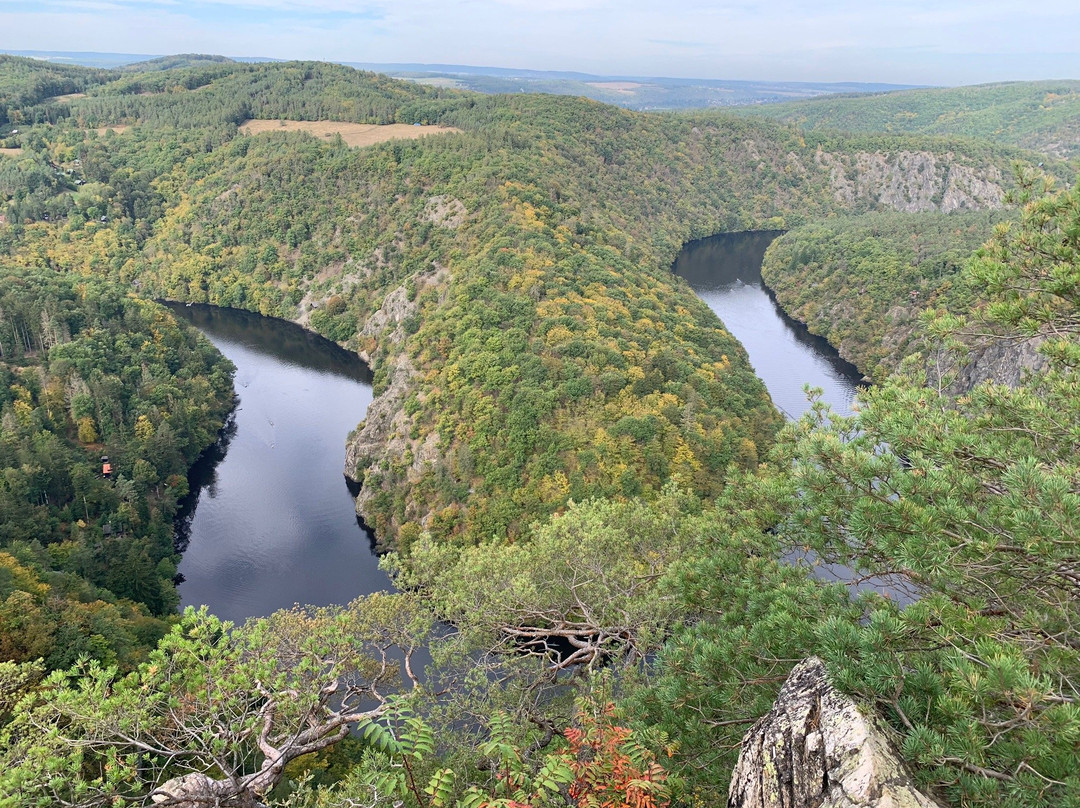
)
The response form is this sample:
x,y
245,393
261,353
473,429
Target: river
x,y
271,521
725,272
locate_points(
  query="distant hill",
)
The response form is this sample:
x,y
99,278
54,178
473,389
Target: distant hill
x,y
26,82
177,62
84,58
112,61
1039,115
631,92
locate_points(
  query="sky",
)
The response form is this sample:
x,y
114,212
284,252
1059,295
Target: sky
x,y
942,42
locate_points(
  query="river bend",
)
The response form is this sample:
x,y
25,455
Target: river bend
x,y
271,521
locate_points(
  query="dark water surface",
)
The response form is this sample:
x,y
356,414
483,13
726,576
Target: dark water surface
x,y
725,271
271,521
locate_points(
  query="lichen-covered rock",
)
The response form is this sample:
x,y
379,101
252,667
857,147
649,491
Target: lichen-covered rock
x,y
815,749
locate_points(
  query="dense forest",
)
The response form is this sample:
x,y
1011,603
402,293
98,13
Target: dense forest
x,y
589,496
863,282
86,372
26,83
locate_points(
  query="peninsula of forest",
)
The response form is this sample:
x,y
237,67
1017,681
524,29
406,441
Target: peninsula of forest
x,y
598,526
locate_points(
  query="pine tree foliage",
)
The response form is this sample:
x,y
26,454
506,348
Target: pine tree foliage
x,y
970,504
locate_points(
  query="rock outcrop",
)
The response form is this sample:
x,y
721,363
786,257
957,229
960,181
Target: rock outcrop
x,y
1002,361
384,438
910,181
385,418
815,749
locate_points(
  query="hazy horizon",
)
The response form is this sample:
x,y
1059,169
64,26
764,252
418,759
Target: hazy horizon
x,y
944,43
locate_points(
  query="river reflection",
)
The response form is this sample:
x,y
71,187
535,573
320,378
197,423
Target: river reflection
x,y
271,521
725,272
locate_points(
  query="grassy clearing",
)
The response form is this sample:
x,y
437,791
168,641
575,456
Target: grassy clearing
x,y
354,134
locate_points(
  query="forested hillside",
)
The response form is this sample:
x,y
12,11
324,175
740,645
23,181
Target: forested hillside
x,y
86,372
538,350
862,282
1040,115
175,62
25,83
588,490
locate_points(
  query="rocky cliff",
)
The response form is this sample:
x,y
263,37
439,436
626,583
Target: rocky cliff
x,y
815,749
911,181
384,438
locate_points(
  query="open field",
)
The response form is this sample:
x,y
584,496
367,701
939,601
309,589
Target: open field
x,y
11,152
119,128
624,87
354,134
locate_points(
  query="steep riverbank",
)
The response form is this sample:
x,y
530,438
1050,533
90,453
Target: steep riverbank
x,y
870,285
725,271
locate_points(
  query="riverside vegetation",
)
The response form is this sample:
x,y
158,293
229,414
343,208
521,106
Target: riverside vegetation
x,y
586,478
863,282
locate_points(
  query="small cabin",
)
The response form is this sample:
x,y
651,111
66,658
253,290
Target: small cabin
x,y
106,468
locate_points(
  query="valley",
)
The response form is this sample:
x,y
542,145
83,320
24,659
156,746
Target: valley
x,y
584,491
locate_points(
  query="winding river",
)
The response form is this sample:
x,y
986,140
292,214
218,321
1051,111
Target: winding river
x,y
270,521
725,272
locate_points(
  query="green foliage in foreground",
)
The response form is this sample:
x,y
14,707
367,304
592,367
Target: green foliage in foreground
x,y
214,716
973,502
527,598
86,371
1039,115
861,282
236,705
